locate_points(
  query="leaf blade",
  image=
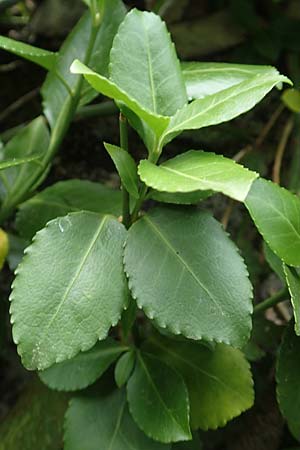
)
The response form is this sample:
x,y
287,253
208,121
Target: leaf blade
x,y
74,292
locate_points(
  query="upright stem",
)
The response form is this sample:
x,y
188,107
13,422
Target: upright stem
x,y
124,145
271,301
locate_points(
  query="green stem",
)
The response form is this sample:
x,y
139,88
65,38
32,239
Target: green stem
x,y
100,110
271,301
124,145
58,133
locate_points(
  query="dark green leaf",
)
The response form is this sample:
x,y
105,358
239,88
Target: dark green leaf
x,y
219,381
30,140
124,368
291,99
104,423
144,64
83,370
36,55
274,262
126,168
158,400
276,213
198,170
195,444
182,280
65,197
69,289
293,282
288,381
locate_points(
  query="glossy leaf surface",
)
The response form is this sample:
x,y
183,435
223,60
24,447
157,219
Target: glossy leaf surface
x,y
69,289
182,280
224,105
102,423
288,381
155,384
126,168
36,55
198,170
180,198
204,79
83,370
65,197
144,64
276,214
107,87
219,381
293,282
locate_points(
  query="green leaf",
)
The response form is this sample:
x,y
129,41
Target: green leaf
x,y
144,64
293,282
102,423
195,444
36,421
69,289
17,246
84,369
57,97
29,141
274,262
126,168
291,99
106,87
182,280
124,368
65,197
219,381
36,55
180,198
18,161
276,214
156,385
204,79
222,106
198,170
288,381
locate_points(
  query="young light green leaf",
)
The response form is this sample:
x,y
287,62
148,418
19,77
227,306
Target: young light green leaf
x,y
144,64
126,168
106,87
155,384
69,289
18,161
288,381
204,79
30,140
124,368
83,370
222,106
198,170
172,275
36,55
180,198
65,197
293,282
276,214
219,381
102,423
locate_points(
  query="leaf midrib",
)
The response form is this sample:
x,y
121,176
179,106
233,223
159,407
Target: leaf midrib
x,y
73,280
183,262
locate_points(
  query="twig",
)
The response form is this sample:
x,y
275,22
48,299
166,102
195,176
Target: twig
x,y
271,301
287,130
